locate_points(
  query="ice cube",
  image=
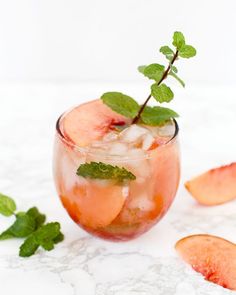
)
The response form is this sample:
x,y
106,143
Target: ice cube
x,y
111,136
148,140
118,148
167,130
68,170
138,163
99,148
133,133
136,153
142,202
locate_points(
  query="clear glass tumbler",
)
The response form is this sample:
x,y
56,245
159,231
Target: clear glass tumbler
x,y
111,210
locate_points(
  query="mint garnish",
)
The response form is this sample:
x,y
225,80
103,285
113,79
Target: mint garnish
x,y
178,40
162,93
187,51
157,115
95,170
30,225
153,71
121,103
167,51
128,107
184,50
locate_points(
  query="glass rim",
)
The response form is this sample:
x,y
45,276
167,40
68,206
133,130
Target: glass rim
x,y
87,150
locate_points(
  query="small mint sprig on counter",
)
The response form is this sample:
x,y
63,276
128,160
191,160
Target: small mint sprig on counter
x,y
99,170
128,107
30,225
46,236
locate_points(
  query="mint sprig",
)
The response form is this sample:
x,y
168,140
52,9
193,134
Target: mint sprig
x,y
30,225
46,236
99,170
160,91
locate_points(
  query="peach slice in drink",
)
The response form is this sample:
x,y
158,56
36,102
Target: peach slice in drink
x,y
89,122
213,257
96,204
215,186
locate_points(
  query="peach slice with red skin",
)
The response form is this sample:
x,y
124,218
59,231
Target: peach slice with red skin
x,y
89,122
215,186
94,205
213,257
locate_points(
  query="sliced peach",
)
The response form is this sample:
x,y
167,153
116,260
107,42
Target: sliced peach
x,y
213,257
89,122
215,186
95,205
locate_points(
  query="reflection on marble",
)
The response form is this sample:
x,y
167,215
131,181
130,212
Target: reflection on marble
x,y
83,265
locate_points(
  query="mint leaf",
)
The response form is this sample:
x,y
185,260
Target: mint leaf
x,y
20,213
48,231
101,170
187,51
141,69
178,40
167,51
23,226
38,217
162,93
29,247
121,103
59,238
6,235
7,205
43,237
154,72
155,116
174,69
177,78
48,245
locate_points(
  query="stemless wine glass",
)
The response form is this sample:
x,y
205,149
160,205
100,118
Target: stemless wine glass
x,y
111,210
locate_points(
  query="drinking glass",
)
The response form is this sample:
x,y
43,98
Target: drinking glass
x,y
111,210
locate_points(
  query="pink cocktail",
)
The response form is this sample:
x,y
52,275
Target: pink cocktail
x,y
106,208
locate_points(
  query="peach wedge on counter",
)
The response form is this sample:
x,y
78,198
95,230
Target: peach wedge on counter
x,y
213,257
215,186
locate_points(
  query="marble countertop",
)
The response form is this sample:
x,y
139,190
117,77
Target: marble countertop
x,y
84,265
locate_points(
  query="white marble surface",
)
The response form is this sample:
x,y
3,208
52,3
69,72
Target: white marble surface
x,y
83,265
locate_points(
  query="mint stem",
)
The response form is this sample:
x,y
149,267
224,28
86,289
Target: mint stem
x,y
165,74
